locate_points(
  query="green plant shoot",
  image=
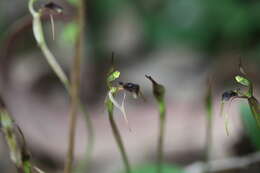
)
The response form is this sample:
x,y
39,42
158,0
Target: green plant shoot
x,y
248,95
110,103
159,94
18,152
51,59
209,118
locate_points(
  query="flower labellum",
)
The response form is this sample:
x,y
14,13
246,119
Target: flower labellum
x,y
131,87
227,95
53,7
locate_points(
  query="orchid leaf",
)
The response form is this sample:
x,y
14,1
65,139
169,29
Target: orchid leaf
x,y
250,125
255,109
17,152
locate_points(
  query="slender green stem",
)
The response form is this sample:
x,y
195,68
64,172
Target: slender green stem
x,y
91,138
54,65
159,93
208,139
39,36
208,144
209,129
74,95
75,85
160,145
117,136
255,109
40,39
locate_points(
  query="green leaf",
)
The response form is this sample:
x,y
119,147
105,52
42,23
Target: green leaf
x,y
10,137
250,126
255,109
150,168
70,32
8,129
243,81
113,76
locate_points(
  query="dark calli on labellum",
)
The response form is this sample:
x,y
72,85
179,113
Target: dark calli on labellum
x,y
227,95
131,87
53,7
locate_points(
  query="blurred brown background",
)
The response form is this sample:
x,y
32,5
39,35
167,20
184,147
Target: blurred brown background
x,y
180,43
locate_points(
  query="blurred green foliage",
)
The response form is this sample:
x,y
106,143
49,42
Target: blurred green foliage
x,y
209,26
150,168
73,2
3,21
202,24
250,125
69,32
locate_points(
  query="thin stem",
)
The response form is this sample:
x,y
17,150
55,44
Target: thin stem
x,y
159,93
18,152
118,137
209,118
91,137
160,147
54,65
74,94
74,90
208,144
208,139
40,39
90,129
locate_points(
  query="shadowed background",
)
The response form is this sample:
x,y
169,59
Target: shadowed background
x,y
180,43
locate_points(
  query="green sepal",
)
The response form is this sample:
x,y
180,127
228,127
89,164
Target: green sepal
x,y
113,76
243,81
158,90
